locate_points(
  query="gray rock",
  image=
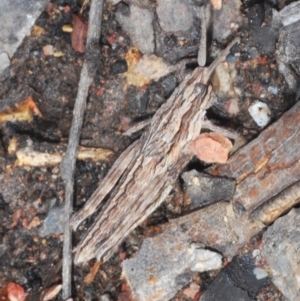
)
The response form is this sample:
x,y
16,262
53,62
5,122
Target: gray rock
x,y
17,17
174,15
54,222
289,42
177,21
138,24
237,281
160,270
288,54
289,75
264,38
173,252
205,190
290,14
226,20
281,251
4,61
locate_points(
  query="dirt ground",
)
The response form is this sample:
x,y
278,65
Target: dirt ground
x,y
28,193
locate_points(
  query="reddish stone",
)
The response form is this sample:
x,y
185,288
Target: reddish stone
x,y
211,147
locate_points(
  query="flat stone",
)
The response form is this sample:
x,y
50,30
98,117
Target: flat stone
x,y
281,251
237,281
290,13
159,270
178,21
161,267
4,61
174,15
226,20
17,17
54,222
204,189
138,25
288,44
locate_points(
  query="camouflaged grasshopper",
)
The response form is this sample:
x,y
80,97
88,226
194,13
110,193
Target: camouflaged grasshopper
x,y
144,174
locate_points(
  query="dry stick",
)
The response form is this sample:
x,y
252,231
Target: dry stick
x,y
67,167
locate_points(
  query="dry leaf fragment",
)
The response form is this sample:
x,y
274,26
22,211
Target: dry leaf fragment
x,y
12,146
16,217
25,111
37,31
89,278
79,33
211,147
29,157
153,67
143,69
134,78
192,290
51,292
34,223
96,154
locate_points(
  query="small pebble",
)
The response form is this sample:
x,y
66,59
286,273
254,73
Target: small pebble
x,y
67,28
105,297
255,252
4,61
119,66
273,90
231,58
260,273
48,50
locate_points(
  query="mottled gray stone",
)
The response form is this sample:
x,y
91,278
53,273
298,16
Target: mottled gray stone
x,y
151,272
138,24
174,15
160,269
17,17
289,44
177,21
226,20
281,251
4,61
290,13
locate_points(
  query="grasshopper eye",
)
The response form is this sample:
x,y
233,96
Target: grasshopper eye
x,y
200,90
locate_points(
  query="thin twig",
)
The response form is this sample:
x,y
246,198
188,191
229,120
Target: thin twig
x,y
67,167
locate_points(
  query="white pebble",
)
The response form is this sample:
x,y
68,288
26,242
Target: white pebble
x,y
260,113
260,273
255,253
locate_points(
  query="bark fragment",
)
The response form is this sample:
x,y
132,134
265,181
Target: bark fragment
x,y
267,165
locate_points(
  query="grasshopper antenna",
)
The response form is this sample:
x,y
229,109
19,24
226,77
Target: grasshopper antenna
x,y
222,55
